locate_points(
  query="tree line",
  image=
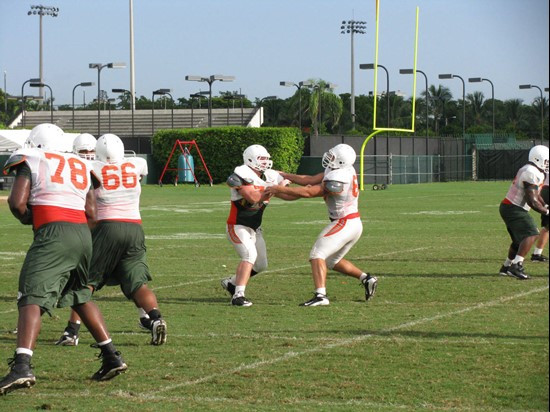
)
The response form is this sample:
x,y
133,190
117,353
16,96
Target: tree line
x,y
324,112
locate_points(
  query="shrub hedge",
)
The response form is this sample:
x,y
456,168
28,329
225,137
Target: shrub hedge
x,y
222,148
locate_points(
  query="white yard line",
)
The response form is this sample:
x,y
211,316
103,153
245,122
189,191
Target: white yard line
x,y
343,342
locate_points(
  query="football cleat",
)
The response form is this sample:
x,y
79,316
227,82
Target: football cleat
x,y
370,283
241,301
504,270
111,365
516,270
145,323
228,286
539,258
20,375
67,339
317,300
158,332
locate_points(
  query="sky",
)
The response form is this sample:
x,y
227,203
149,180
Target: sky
x,y
263,42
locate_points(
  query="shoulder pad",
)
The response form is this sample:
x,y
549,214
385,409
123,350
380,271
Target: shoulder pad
x,y
272,177
14,160
338,175
333,186
234,181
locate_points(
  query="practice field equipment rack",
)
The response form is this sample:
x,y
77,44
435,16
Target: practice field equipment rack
x,y
185,148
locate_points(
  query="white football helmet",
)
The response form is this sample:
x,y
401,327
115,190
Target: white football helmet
x,y
257,158
109,148
341,155
47,136
84,146
538,155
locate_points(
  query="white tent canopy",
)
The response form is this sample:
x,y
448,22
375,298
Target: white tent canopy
x,y
11,140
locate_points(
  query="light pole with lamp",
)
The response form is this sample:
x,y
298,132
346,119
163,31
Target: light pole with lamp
x,y
158,92
451,76
23,100
479,80
353,27
83,84
211,79
42,11
100,67
130,94
260,105
532,86
411,71
299,87
371,66
42,85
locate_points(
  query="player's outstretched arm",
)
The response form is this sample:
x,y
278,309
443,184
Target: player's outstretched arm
x,y
18,199
304,180
297,191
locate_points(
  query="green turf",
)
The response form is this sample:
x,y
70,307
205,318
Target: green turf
x,y
444,331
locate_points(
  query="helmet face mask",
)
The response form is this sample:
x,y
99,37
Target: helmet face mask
x,y
109,148
339,156
47,136
538,155
257,157
84,146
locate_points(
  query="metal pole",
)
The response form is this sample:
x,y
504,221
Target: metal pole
x,y
352,84
73,102
41,89
98,101
300,106
153,115
5,97
132,72
242,112
210,102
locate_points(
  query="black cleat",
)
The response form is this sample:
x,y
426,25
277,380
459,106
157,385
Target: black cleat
x,y
241,301
539,258
317,300
370,283
20,375
67,339
516,270
504,270
111,366
146,323
228,286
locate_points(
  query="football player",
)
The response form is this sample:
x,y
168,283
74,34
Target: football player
x,y
514,210
542,240
52,193
119,253
338,186
243,229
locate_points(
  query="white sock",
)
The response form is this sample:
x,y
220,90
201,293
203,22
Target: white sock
x,y
105,342
518,259
537,251
23,351
142,313
321,291
507,262
362,277
239,291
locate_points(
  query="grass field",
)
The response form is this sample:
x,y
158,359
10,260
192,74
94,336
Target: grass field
x,y
444,332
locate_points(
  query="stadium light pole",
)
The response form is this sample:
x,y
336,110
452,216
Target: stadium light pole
x,y
353,27
532,86
23,100
130,94
479,80
451,76
158,92
42,85
100,67
211,79
41,11
83,84
299,87
260,104
5,96
371,66
411,71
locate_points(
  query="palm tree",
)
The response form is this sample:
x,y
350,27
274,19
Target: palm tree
x,y
476,103
324,106
439,97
